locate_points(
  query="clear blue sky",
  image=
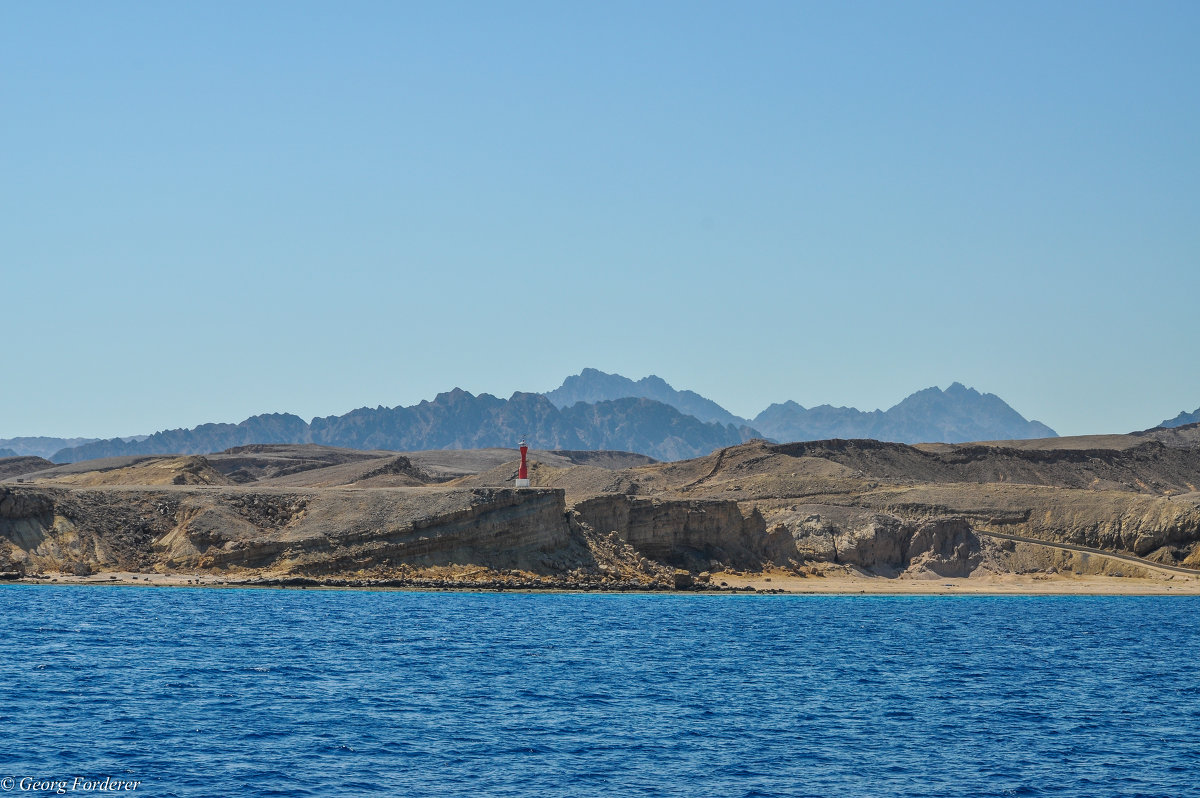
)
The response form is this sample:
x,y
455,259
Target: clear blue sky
x,y
215,209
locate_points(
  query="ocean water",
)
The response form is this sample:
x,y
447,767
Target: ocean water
x,y
227,692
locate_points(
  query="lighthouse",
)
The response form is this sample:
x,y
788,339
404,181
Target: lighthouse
x,y
523,472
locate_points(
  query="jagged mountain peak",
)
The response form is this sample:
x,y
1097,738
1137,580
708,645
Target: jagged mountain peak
x,y
455,394
592,385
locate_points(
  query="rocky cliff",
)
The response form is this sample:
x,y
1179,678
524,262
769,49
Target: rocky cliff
x,y
318,532
692,534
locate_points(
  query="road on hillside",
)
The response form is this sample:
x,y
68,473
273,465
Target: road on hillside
x,y
1098,552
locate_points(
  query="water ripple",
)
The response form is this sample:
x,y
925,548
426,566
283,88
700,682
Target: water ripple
x,y
263,693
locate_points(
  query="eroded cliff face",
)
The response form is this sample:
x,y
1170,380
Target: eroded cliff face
x,y
77,531
23,519
692,534
63,530
495,528
1162,528
888,546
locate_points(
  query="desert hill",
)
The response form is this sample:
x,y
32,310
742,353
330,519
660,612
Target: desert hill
x,y
1187,436
15,465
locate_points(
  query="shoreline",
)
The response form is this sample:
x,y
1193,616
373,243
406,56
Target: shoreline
x,y
998,585
765,583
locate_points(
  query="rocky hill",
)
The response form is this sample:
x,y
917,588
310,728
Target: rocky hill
x,y
14,466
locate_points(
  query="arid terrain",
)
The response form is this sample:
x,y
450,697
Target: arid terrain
x,y
1116,513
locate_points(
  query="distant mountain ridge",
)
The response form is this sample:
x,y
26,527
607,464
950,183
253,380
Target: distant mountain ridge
x,y
45,447
40,446
588,412
956,415
454,420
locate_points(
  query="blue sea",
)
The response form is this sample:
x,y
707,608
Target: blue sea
x,y
229,692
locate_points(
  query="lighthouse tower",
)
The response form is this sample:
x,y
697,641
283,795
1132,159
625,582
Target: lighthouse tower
x,y
523,472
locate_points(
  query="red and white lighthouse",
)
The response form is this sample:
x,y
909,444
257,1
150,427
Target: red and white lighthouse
x,y
523,471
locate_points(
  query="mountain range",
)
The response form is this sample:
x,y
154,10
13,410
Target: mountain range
x,y
454,420
40,446
590,410
955,415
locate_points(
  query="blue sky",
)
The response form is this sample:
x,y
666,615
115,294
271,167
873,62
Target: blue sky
x,y
210,210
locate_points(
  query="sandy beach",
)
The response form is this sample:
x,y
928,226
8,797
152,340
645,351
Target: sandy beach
x,y
779,581
1005,584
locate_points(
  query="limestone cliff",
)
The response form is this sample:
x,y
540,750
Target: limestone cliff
x,y
887,545
56,529
693,534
